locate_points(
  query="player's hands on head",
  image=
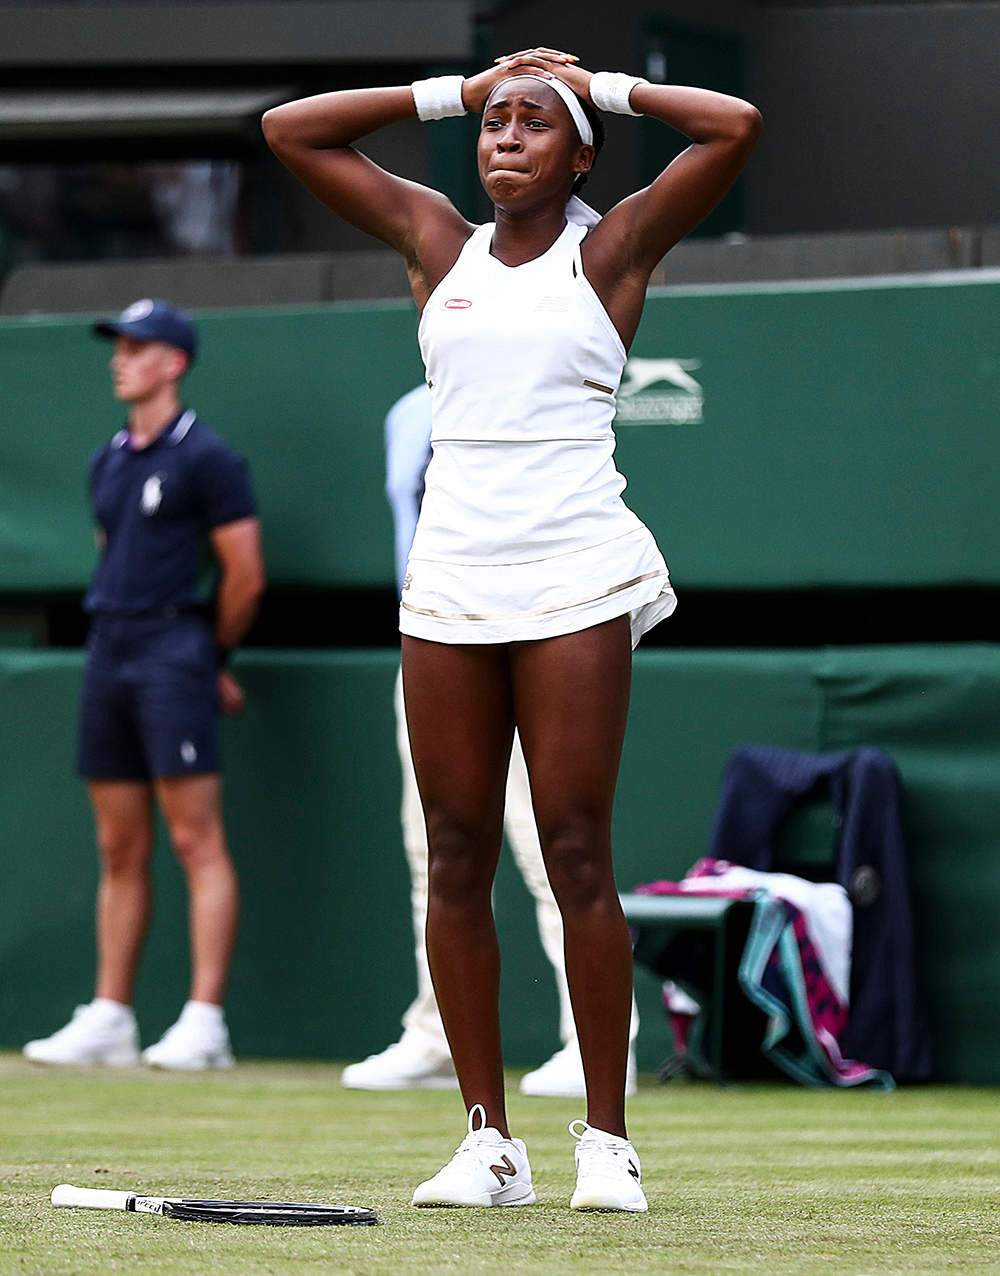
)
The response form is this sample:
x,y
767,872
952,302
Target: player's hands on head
x,y
564,66
547,55
231,694
477,88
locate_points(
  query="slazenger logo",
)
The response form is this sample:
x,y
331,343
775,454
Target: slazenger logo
x,y
660,392
457,303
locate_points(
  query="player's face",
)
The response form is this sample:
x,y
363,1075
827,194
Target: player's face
x,y
529,149
141,369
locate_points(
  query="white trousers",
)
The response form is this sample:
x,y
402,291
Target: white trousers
x,y
423,1016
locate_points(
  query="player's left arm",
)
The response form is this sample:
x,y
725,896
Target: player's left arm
x,y
238,551
723,132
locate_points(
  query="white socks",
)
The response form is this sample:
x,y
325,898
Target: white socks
x,y
203,1014
112,1012
200,1014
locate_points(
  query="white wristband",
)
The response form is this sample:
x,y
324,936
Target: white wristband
x,y
609,91
438,98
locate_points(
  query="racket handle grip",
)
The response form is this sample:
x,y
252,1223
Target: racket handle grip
x,y
91,1198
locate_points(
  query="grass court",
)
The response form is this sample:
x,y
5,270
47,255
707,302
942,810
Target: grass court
x,y
748,1179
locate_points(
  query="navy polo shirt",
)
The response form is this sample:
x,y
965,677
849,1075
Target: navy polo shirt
x,y
155,506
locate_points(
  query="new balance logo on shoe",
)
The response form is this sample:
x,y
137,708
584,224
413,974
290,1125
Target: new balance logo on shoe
x,y
633,1169
500,1171
482,1171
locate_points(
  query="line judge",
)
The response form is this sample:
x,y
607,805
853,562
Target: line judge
x,y
154,684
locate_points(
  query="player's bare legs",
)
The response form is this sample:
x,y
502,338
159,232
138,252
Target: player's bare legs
x,y
124,824
571,701
460,717
192,808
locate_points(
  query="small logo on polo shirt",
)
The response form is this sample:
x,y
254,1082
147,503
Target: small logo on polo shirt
x,y
189,753
457,303
152,493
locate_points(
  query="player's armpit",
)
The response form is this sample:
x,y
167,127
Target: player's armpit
x,y
314,139
723,132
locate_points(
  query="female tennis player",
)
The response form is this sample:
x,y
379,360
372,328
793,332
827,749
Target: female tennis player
x,y
529,580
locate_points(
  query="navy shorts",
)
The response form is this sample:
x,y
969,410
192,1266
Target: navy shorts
x,y
149,706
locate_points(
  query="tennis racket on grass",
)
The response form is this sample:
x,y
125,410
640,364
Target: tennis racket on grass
x,y
269,1213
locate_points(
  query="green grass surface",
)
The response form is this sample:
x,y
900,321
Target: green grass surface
x,y
749,1179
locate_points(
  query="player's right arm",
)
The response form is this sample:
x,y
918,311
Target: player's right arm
x,y
314,139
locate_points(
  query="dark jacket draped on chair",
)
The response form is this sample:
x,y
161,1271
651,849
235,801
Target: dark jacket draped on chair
x,y
887,1026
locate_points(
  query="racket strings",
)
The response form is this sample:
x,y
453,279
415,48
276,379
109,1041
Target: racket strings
x,y
269,1213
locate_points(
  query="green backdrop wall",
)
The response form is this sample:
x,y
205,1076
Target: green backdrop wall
x,y
771,435
324,965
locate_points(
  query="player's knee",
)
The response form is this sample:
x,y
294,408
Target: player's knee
x,y
457,868
578,866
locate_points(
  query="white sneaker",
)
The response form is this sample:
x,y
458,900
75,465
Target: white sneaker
x,y
608,1173
198,1040
561,1077
101,1032
487,1169
405,1065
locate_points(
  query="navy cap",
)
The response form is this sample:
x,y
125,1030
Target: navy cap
x,y
150,320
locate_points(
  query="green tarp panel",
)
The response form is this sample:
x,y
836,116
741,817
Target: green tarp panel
x,y
774,435
324,965
302,394
936,712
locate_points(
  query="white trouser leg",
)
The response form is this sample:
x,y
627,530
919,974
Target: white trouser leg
x,y
522,833
422,1016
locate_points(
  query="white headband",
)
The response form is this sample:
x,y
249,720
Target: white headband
x,y
567,95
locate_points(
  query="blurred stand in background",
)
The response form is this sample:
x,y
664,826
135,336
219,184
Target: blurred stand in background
x,y
198,203
82,212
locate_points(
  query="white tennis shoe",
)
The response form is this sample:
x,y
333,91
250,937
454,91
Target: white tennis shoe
x,y
197,1041
608,1173
101,1032
405,1065
487,1169
561,1077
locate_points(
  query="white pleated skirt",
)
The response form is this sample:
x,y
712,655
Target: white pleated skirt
x,y
455,602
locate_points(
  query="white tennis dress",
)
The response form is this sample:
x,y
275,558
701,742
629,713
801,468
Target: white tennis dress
x,y
523,533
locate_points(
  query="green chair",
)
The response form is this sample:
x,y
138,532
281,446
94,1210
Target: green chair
x,y
807,847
